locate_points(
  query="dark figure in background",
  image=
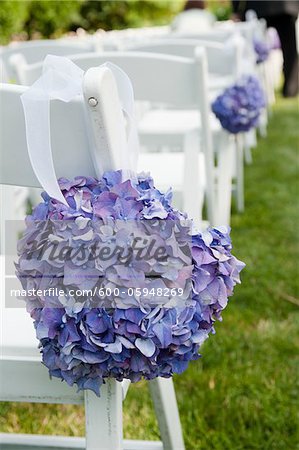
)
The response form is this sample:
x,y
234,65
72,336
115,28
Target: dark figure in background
x,y
281,15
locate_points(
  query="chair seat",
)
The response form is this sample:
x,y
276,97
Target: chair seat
x,y
173,122
17,337
167,169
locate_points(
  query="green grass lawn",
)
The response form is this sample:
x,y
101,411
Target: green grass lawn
x,y
243,392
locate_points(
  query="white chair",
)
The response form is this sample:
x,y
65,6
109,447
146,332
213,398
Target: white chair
x,y
34,51
173,73
224,67
225,64
23,378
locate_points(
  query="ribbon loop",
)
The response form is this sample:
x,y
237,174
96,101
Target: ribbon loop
x,y
61,79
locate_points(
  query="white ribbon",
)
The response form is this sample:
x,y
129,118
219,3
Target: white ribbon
x,y
62,80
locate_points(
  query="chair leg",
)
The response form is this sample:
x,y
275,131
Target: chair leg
x,y
165,404
247,155
103,417
225,176
240,173
250,142
193,191
263,123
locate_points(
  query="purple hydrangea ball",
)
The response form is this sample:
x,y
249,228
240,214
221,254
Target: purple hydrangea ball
x,y
84,344
238,108
273,39
261,49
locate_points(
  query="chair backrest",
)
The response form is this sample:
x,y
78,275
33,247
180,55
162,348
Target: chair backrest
x,y
224,33
223,58
81,133
156,78
35,51
247,30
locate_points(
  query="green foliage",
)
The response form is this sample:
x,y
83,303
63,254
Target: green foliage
x,y
221,9
121,14
13,15
51,18
243,393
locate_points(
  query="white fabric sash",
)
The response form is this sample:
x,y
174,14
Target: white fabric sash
x,y
62,80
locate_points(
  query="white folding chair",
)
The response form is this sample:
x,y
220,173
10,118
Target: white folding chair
x,y
182,85
76,144
224,67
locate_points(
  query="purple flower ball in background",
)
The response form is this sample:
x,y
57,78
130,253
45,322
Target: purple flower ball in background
x,y
261,49
273,39
82,344
238,108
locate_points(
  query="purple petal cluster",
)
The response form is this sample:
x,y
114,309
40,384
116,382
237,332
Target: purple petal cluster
x,y
238,108
261,49
84,345
273,39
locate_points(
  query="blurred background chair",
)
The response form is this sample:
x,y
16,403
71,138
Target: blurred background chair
x,y
224,67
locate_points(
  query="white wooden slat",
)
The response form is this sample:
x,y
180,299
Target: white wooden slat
x,y
103,417
165,404
35,442
28,381
240,173
171,71
143,445
206,140
194,184
225,174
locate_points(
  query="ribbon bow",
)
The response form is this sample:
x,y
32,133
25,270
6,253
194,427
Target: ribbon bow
x,y
63,80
